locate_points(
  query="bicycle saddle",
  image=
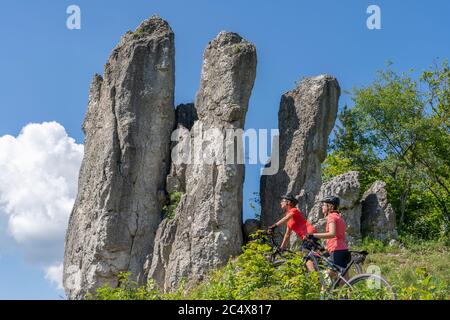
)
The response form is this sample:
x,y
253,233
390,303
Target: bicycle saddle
x,y
363,252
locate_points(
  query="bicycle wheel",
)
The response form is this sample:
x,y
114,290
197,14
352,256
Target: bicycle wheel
x,y
355,270
365,287
278,262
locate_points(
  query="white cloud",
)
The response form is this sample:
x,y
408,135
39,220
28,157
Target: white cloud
x,y
38,185
54,274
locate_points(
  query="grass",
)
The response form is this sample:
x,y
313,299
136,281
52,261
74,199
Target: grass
x,y
408,265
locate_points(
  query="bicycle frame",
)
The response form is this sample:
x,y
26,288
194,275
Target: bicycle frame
x,y
340,272
314,253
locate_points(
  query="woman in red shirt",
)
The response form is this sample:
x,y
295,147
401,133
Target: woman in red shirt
x,y
294,221
335,232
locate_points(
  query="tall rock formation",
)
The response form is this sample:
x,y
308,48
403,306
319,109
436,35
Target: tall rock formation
x,y
122,180
207,228
378,216
347,187
305,119
156,262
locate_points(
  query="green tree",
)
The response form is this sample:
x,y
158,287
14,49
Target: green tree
x,y
399,131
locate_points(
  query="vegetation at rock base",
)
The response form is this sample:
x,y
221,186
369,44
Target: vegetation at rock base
x,y
398,131
416,270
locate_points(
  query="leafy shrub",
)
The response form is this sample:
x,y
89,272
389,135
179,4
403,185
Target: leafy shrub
x,y
397,130
126,290
251,276
423,288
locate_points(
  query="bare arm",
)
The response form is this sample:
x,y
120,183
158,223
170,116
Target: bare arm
x,y
328,235
287,235
285,219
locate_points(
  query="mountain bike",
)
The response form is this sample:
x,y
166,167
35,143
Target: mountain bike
x,y
359,286
278,257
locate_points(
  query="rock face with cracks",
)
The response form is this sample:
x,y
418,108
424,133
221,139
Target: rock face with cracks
x,y
347,187
306,117
207,228
377,216
122,180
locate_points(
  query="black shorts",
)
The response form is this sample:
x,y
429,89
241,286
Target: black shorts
x,y
341,257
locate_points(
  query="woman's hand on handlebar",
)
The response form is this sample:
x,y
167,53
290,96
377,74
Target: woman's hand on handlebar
x,y
271,229
311,237
313,242
280,249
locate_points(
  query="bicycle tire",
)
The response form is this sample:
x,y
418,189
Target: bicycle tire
x,y
278,263
387,291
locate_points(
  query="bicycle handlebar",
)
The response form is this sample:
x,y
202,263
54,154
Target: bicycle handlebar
x,y
312,243
309,243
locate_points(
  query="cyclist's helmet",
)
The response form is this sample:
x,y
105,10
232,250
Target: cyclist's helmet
x,y
331,199
290,197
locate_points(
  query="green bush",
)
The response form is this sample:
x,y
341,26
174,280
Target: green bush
x,y
415,270
252,276
397,130
126,290
423,288
249,276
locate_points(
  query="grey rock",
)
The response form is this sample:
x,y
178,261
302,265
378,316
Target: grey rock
x,y
157,262
378,216
306,117
347,187
394,243
122,180
208,218
185,116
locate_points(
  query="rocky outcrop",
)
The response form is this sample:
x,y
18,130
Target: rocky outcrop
x,y
207,228
138,149
378,216
122,180
372,216
305,119
347,187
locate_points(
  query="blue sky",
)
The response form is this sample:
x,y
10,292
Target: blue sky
x,y
47,69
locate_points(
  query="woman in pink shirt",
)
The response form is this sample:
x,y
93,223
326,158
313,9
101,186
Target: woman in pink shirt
x,y
335,232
